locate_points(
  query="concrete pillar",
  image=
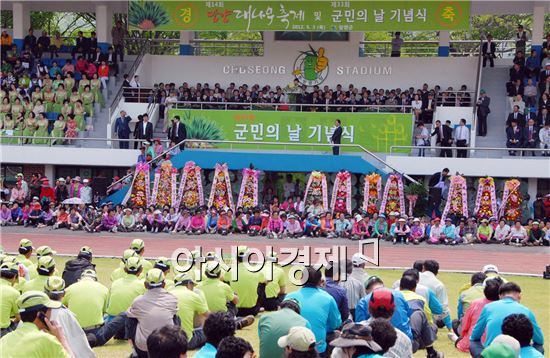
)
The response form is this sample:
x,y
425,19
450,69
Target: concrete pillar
x,y
532,190
49,172
361,48
104,24
186,49
444,44
21,22
538,27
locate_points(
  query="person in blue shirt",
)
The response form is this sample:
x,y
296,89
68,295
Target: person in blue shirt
x,y
520,327
493,314
448,232
317,306
312,226
212,221
400,318
16,214
217,326
336,291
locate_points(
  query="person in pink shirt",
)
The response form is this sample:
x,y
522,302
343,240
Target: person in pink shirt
x,y
360,229
275,226
183,223
18,193
473,312
198,223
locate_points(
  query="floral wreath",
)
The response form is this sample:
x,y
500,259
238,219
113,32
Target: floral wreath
x,y
164,186
138,195
511,201
220,195
394,197
486,199
190,194
457,198
248,194
371,192
316,188
341,193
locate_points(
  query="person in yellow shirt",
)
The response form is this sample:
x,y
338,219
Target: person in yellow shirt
x,y
124,290
44,251
119,271
190,306
139,247
87,299
164,264
219,295
9,273
37,336
275,288
45,269
25,253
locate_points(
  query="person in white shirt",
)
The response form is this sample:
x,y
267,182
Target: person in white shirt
x,y
135,82
502,231
86,192
544,137
462,137
422,136
55,289
416,105
517,234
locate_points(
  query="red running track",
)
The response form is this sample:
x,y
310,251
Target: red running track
x,y
463,258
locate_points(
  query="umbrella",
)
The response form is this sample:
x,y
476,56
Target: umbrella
x,y
73,201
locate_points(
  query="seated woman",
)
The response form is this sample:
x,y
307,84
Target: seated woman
x,y
183,223
38,107
401,232
109,222
484,232
360,229
342,226
239,224
198,224
75,220
58,130
72,128
224,223
417,232
127,221
275,227
158,222
42,125
312,226
327,226
212,221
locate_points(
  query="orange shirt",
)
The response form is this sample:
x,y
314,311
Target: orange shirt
x,y
224,222
5,40
103,71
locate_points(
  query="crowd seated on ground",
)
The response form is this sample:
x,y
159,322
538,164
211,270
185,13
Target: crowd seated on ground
x,y
164,313
528,91
423,101
40,206
56,100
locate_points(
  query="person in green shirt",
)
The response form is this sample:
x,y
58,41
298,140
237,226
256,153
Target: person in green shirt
x,y
45,269
9,273
275,325
87,299
119,271
25,253
190,305
44,251
164,264
124,290
139,247
219,295
275,287
37,336
246,286
484,231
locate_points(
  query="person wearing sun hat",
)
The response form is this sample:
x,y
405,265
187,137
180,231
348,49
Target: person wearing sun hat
x,y
74,268
45,269
9,274
435,231
38,335
484,232
154,309
25,252
191,307
299,339
365,341
55,289
138,245
124,290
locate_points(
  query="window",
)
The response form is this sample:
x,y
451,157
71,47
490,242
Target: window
x,y
310,36
8,173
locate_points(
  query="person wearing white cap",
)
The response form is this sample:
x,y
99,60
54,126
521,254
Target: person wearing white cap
x,y
400,231
360,228
298,339
74,188
86,192
61,191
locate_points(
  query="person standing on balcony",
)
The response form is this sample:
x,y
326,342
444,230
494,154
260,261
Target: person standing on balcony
x,y
462,137
177,132
336,137
488,51
396,44
521,39
118,33
122,129
145,129
483,111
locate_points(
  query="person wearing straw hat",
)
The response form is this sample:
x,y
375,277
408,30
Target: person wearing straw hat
x,y
45,269
55,289
74,268
365,341
38,335
75,187
127,221
154,309
191,307
9,275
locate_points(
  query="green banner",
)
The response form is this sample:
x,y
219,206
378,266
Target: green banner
x,y
376,132
310,15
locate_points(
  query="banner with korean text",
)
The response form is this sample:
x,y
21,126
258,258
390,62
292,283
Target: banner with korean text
x,y
376,132
292,15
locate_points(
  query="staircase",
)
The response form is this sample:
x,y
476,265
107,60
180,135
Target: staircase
x,y
159,132
493,81
101,115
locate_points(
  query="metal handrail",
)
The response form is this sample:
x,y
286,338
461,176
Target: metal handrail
x,y
368,152
393,148
478,87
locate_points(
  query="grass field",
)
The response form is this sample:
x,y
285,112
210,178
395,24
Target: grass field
x,y
535,296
